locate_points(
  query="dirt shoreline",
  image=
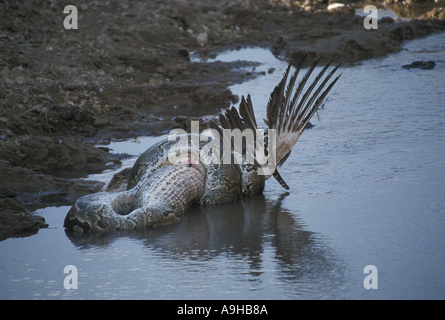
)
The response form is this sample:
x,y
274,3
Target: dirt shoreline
x,y
126,72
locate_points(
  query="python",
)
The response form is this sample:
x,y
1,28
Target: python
x,y
242,147
161,188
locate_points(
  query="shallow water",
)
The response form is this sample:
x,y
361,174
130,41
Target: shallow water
x,y
367,188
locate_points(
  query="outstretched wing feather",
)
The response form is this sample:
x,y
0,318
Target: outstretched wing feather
x,y
289,110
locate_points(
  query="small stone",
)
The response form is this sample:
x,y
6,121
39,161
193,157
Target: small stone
x,y
424,65
88,131
202,39
101,122
4,72
97,109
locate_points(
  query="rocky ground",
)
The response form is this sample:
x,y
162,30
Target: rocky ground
x,y
126,71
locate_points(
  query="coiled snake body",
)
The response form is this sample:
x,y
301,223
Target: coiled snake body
x,y
159,191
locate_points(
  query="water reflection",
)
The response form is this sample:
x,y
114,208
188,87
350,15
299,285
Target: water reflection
x,y
256,231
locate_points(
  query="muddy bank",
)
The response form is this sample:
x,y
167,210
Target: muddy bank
x,y
17,221
127,71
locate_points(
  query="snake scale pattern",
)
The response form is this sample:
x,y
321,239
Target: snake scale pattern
x,y
160,191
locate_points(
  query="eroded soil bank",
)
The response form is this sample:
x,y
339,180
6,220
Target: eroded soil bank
x,y
127,71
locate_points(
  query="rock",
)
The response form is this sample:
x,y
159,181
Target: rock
x,y
89,131
435,14
119,181
387,20
424,65
202,39
5,72
46,153
31,188
17,221
183,53
334,6
101,122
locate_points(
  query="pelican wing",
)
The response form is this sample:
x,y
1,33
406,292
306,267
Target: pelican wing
x,y
289,110
232,119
